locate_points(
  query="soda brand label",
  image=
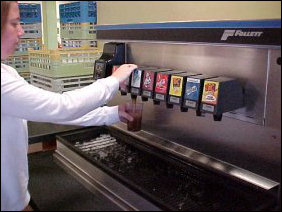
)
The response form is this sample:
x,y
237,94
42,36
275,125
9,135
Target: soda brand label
x,y
148,80
136,78
176,83
192,90
210,92
161,83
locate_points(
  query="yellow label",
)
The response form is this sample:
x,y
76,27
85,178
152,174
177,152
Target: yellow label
x,y
176,86
210,92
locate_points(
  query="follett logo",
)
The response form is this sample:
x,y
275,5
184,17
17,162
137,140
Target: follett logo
x,y
239,33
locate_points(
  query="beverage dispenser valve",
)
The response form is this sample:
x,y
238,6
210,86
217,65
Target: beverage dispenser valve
x,y
220,95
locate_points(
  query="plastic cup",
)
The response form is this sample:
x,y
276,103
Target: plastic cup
x,y
135,110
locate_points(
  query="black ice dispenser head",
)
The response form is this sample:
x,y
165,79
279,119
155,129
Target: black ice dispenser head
x,y
113,54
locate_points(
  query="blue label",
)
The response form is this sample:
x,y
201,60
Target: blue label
x,y
192,91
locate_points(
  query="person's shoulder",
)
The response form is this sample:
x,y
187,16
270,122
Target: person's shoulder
x,y
6,68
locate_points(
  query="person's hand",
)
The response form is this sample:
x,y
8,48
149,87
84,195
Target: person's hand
x,y
123,72
122,112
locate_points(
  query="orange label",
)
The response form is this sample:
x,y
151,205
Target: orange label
x,y
210,92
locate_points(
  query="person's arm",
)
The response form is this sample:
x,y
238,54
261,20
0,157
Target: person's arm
x,y
22,100
103,116
100,116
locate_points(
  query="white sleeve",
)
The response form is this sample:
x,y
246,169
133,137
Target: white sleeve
x,y
100,116
22,100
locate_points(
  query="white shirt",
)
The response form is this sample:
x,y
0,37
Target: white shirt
x,y
21,101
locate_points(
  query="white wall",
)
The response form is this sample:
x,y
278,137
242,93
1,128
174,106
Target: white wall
x,y
111,12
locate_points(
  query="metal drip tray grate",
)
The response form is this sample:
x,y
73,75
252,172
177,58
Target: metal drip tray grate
x,y
162,179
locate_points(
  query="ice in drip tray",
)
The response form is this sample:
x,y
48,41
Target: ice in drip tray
x,y
104,140
176,186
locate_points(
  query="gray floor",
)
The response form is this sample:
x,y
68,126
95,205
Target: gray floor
x,y
52,189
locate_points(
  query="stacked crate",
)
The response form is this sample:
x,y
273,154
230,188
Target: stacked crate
x,y
77,21
30,19
20,63
62,70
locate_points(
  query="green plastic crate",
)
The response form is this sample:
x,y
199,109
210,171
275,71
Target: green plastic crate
x,y
63,63
78,30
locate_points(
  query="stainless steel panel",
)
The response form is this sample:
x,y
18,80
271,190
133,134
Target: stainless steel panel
x,y
273,99
249,65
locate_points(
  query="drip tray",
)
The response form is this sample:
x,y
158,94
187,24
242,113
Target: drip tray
x,y
137,176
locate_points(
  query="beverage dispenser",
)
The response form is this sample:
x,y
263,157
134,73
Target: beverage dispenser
x,y
113,54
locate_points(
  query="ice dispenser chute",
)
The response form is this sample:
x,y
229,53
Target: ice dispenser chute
x,y
113,54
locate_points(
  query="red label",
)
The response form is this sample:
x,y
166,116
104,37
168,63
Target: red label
x,y
161,83
148,80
